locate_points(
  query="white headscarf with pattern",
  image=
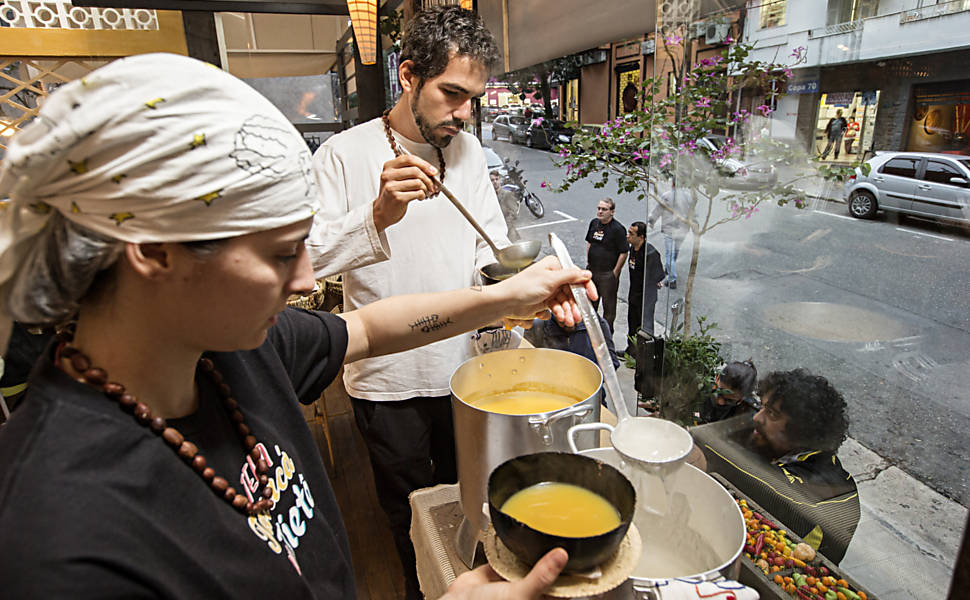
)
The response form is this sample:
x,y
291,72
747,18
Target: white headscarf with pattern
x,y
152,148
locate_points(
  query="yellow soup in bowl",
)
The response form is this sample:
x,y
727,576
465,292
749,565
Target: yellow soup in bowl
x,y
562,509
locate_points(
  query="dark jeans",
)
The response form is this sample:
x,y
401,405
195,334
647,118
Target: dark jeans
x,y
607,285
411,444
836,142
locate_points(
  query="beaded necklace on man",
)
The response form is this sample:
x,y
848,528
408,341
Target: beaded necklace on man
x,y
386,119
97,378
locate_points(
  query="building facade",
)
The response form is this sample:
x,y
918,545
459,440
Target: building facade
x,y
894,68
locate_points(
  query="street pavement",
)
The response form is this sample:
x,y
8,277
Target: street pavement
x,y
878,307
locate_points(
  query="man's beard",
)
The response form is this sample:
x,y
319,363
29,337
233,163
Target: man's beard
x,y
427,130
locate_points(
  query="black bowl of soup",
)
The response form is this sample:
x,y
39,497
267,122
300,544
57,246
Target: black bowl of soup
x,y
553,499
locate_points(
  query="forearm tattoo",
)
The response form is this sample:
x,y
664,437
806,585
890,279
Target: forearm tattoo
x,y
430,323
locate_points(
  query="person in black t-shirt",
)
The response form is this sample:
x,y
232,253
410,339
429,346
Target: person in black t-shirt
x,y
646,276
606,251
160,450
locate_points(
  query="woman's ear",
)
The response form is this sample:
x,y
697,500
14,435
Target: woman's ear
x,y
150,260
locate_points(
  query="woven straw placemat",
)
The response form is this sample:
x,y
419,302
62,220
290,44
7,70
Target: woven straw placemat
x,y
614,571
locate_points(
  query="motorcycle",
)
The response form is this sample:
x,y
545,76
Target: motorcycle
x,y
515,184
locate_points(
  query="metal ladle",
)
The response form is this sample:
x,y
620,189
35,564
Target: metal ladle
x,y
630,431
516,256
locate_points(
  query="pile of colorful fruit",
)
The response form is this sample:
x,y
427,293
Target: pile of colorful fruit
x,y
790,564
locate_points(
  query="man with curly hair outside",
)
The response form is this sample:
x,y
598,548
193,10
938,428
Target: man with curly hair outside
x,y
799,428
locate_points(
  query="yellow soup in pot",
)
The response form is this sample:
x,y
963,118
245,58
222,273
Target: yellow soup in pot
x,y
524,399
562,509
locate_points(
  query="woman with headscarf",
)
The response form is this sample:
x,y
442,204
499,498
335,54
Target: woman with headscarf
x,y
161,450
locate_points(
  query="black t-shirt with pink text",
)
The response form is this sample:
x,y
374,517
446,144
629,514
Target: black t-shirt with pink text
x,y
92,504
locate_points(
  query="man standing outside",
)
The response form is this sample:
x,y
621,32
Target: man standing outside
x,y
606,251
646,276
801,424
401,401
834,131
674,211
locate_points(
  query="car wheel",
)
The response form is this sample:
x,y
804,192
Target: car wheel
x,y
534,205
862,205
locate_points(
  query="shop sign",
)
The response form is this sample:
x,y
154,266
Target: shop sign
x,y
839,98
803,87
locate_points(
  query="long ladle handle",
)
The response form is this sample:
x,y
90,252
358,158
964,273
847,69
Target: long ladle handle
x,y
614,395
460,207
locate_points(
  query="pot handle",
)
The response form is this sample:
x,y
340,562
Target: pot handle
x,y
571,434
579,410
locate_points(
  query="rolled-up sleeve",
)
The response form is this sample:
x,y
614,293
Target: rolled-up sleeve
x,y
342,238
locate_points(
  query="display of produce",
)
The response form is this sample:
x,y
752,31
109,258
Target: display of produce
x,y
789,563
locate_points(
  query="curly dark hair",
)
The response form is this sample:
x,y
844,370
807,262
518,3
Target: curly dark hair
x,y
438,33
815,409
740,377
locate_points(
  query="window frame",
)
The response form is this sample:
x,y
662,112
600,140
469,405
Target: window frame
x,y
772,13
956,172
917,169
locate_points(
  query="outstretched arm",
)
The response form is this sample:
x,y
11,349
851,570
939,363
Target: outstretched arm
x,y
404,322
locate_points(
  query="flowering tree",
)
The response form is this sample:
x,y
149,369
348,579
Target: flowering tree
x,y
667,140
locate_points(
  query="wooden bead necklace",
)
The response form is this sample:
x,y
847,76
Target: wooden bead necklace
x,y
97,378
386,119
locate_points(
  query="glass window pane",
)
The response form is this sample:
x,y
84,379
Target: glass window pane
x,y
903,167
939,172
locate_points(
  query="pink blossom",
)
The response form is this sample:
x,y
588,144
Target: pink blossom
x,y
641,154
704,102
666,160
543,184
765,109
729,40
673,39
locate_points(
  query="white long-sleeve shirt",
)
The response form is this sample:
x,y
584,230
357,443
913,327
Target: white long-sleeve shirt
x,y
433,248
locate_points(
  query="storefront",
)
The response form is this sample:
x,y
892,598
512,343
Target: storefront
x,y
940,121
845,125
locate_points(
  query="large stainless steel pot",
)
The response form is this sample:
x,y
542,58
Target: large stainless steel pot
x,y
697,533
485,440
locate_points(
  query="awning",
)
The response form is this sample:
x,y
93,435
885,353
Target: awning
x,y
540,30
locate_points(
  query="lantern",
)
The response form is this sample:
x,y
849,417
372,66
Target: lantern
x,y
363,16
467,4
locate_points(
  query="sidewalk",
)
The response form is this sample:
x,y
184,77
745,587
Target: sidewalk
x,y
908,536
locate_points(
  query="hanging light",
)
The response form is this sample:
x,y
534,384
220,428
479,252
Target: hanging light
x,y
467,4
363,15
